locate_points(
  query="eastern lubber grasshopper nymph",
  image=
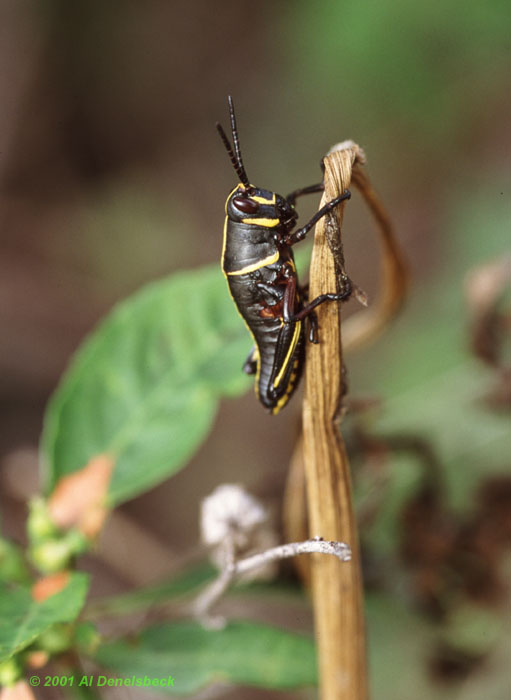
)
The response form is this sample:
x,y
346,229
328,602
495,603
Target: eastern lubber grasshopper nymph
x,y
258,263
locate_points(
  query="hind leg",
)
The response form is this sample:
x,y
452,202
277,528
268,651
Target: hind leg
x,y
290,316
313,319
250,366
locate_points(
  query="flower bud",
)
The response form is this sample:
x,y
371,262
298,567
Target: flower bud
x,y
12,565
51,555
10,671
56,639
40,525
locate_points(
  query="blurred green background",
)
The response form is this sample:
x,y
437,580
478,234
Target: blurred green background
x,y
112,175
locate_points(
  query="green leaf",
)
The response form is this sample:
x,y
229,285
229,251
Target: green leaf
x,y
242,653
473,630
184,584
144,387
24,619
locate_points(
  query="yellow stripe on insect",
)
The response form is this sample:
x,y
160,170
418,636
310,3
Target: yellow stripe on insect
x,y
289,389
263,200
257,265
229,196
289,355
224,241
268,223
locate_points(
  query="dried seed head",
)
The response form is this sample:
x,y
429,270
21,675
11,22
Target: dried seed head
x,y
230,512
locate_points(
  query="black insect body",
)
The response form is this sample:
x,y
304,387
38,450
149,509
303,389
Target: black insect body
x,y
257,260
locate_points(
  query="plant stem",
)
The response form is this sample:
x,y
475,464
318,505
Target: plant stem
x,y
337,590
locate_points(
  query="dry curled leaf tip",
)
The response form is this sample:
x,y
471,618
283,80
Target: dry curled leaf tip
x,y
49,585
79,500
347,145
360,295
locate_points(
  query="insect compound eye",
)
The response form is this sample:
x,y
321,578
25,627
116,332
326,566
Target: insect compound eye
x,y
246,205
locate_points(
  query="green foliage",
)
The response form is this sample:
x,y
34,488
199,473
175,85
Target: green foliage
x,y
56,639
40,524
432,387
394,632
399,670
10,672
473,630
243,652
145,386
24,619
396,63
50,549
183,584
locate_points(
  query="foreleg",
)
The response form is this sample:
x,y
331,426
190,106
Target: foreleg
x,y
300,234
291,198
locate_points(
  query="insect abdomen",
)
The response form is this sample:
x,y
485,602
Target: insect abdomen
x,y
281,364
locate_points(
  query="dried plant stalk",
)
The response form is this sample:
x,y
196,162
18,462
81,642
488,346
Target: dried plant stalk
x,y
364,326
294,509
358,330
336,587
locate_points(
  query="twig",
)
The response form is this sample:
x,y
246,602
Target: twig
x,y
233,569
293,549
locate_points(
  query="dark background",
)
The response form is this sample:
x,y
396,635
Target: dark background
x,y
111,175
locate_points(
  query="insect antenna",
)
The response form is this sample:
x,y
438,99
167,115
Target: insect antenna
x,y
241,173
234,155
235,137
